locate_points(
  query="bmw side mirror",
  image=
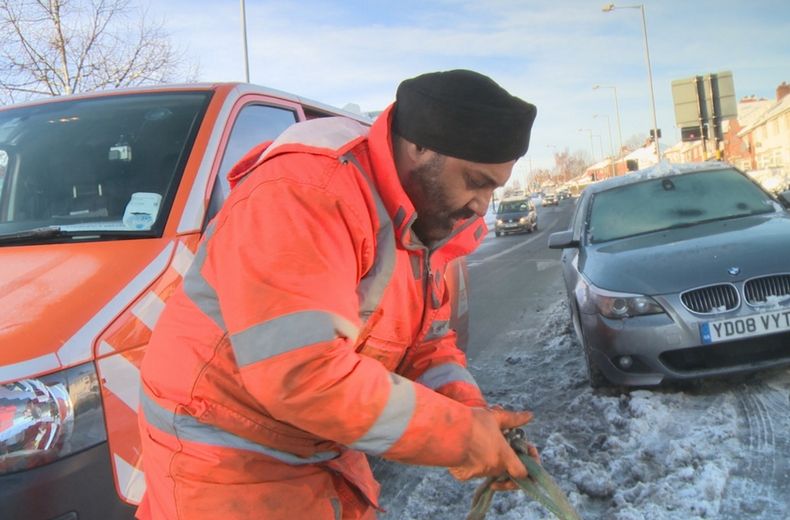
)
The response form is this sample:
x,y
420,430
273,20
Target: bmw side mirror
x,y
562,240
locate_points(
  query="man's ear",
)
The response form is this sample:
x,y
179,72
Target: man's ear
x,y
407,153
419,155
415,152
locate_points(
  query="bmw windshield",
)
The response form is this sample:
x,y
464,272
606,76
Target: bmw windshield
x,y
102,167
668,202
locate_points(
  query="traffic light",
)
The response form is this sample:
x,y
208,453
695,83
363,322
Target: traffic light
x,y
652,138
693,133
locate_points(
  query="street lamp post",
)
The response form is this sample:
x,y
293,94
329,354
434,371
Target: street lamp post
x,y
611,7
244,42
600,145
611,146
592,147
617,113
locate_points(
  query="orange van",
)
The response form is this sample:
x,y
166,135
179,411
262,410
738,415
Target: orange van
x,y
103,199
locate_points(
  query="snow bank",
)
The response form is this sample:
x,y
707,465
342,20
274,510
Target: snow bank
x,y
659,454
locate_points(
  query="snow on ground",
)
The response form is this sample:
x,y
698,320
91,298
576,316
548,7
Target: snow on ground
x,y
659,454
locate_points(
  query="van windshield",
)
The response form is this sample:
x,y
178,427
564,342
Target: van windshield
x,y
104,164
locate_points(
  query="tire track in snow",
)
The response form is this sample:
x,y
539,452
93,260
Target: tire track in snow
x,y
761,480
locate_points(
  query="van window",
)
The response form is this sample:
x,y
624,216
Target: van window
x,y
254,125
3,168
108,163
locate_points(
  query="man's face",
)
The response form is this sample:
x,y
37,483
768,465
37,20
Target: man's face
x,y
445,190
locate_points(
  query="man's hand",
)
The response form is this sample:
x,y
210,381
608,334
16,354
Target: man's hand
x,y
488,452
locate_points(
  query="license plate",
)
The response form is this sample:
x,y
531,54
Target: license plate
x,y
744,327
511,224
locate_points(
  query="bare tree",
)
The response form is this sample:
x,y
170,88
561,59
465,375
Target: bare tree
x,y
637,141
54,47
569,165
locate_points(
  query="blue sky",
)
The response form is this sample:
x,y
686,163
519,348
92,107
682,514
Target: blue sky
x,y
549,52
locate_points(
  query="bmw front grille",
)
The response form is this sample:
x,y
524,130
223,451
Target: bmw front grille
x,y
712,299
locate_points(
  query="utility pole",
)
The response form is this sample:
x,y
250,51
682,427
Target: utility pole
x,y
608,9
244,42
611,146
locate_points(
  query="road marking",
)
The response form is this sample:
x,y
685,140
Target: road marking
x,y
535,236
547,264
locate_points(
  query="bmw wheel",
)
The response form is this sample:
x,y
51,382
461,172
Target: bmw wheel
x,y
594,374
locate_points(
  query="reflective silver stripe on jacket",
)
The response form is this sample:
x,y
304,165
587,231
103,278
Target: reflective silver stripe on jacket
x,y
288,332
440,375
188,428
439,329
372,286
198,289
392,420
331,133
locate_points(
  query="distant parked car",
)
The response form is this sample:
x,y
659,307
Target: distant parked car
x,y
678,272
516,215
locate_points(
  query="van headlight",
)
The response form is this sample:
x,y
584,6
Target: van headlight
x,y
50,417
611,304
522,220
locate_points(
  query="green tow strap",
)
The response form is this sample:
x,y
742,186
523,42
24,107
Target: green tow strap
x,y
539,485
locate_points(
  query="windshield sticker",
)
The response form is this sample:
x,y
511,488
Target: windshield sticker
x,y
142,210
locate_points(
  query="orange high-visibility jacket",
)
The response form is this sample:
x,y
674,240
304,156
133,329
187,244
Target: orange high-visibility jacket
x,y
312,328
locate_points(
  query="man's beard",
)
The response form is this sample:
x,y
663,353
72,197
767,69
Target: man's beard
x,y
435,216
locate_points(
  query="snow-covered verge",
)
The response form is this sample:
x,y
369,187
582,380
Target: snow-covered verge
x,y
712,450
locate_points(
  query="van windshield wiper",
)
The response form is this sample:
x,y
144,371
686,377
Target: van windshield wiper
x,y
32,234
50,232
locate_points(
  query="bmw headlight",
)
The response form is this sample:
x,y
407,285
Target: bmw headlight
x,y
523,220
615,305
44,419
499,222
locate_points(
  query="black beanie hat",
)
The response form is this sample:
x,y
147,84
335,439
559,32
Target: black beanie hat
x,y
463,114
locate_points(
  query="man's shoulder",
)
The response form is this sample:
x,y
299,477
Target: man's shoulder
x,y
326,175
331,136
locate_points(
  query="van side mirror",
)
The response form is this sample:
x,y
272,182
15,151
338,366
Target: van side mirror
x,y
562,240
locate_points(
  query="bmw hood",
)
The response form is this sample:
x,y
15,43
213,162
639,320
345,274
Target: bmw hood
x,y
680,259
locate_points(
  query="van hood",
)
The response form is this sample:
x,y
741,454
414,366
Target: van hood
x,y
57,298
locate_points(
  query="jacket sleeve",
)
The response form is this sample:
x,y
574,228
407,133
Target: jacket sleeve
x,y
285,258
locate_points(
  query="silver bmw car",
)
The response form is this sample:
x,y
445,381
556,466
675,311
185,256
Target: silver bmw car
x,y
678,272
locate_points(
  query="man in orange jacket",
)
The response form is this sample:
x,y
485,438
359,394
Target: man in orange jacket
x,y
313,326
